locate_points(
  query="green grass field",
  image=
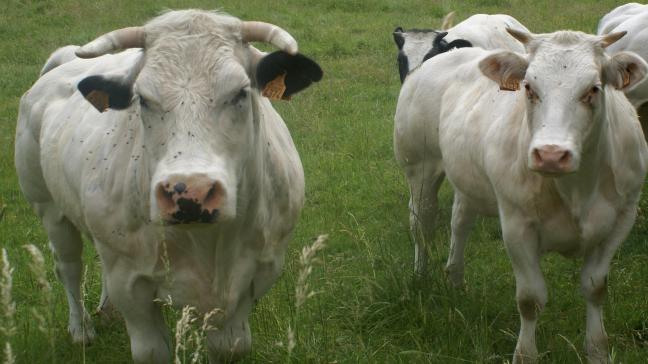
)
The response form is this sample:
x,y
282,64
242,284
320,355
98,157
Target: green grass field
x,y
368,308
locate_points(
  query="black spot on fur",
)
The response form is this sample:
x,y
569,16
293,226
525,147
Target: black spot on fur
x,y
300,71
120,95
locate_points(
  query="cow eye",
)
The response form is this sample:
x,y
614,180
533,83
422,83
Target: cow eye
x,y
589,96
143,102
530,94
240,96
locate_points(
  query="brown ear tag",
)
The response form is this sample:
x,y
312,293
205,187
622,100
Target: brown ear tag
x,y
99,100
274,90
510,85
626,78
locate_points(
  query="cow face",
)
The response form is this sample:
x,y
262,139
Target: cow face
x,y
564,78
197,95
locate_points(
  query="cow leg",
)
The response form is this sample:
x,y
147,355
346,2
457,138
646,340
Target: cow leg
x,y
594,287
462,221
134,297
232,340
105,309
425,180
531,293
66,245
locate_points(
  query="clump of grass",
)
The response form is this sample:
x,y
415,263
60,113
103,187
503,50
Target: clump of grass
x,y
7,326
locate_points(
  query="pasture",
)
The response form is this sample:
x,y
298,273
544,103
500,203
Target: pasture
x,y
367,306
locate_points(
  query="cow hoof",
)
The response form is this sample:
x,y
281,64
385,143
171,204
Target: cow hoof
x,y
455,277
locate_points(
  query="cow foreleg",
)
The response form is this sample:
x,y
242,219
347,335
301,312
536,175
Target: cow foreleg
x,y
425,179
594,287
134,297
531,293
462,221
67,246
105,309
232,340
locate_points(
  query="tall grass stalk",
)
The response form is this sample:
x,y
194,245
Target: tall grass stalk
x,y
7,326
43,315
307,260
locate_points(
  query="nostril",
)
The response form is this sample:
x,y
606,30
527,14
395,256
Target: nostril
x,y
565,158
180,187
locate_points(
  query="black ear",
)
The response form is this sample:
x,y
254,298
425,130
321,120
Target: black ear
x,y
403,65
299,70
398,37
440,43
459,43
105,93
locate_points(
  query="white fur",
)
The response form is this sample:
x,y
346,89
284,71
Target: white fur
x,y
94,173
632,18
452,120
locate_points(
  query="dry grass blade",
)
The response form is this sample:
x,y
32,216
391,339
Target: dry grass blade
x,y
7,326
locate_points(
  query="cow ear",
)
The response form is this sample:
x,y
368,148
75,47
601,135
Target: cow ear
x,y
505,68
624,70
104,93
399,39
280,75
459,43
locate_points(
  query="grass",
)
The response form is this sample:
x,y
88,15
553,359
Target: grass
x,y
367,306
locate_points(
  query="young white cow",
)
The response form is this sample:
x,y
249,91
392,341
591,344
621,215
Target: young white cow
x,y
172,161
562,163
631,18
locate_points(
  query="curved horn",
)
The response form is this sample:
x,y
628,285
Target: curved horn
x,y
257,31
608,39
116,40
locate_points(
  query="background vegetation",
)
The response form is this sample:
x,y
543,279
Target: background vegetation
x,y
367,308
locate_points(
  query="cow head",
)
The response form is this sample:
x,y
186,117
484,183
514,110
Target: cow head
x,y
565,76
415,46
197,90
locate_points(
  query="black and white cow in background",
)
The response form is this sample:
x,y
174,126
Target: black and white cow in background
x,y
415,46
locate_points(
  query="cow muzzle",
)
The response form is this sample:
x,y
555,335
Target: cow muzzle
x,y
552,159
187,199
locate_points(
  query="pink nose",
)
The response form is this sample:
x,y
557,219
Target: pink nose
x,y
189,199
552,159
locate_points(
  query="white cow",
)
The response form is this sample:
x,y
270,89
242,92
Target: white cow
x,y
415,46
174,164
632,18
561,163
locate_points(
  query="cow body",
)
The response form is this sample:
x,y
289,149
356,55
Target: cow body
x,y
480,30
632,18
563,170
131,179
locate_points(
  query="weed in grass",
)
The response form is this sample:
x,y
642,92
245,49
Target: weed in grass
x,y
43,315
8,308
